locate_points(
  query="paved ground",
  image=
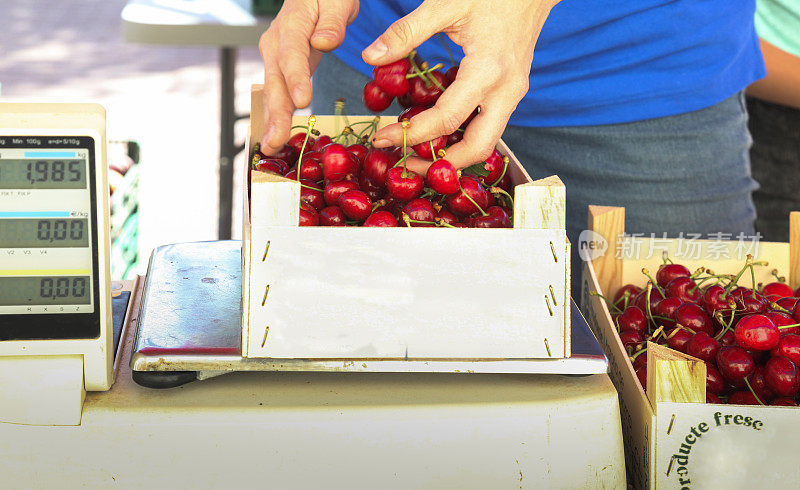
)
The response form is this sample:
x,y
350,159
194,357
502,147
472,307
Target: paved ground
x,y
166,98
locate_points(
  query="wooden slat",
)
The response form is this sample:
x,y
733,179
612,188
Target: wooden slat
x,y
674,377
608,222
794,249
541,204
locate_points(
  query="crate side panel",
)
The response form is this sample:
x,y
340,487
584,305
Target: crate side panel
x,y
730,452
421,293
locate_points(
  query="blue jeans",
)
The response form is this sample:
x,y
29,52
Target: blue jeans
x,y
688,173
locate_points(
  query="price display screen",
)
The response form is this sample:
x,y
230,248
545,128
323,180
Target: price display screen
x,y
48,238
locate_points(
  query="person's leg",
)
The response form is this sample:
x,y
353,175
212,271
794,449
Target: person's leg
x,y
688,173
775,159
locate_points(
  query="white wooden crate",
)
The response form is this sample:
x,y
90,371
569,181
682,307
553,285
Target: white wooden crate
x,y
657,425
402,293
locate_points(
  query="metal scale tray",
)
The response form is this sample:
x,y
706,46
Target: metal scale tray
x,y
189,328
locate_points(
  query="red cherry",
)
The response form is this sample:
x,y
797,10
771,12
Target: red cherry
x,y
703,346
391,78
759,385
796,311
747,304
667,308
734,363
308,215
714,299
692,316
641,299
376,99
756,332
337,162
782,376
779,289
291,174
422,94
405,101
335,189
380,218
377,164
359,150
461,205
496,217
783,401
331,216
420,209
641,360
287,154
712,398
781,319
494,165
356,204
310,169
714,382
668,272
787,303
443,177
411,112
632,318
684,288
632,291
451,73
321,142
373,190
788,347
424,149
641,375
631,338
309,193
727,338
678,339
272,165
742,398
296,142
404,188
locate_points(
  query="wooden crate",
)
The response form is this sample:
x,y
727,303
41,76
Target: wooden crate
x,y
402,293
658,425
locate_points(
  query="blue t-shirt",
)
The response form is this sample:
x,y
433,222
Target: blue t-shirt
x,y
611,61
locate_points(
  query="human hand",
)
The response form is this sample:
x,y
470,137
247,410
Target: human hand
x,y
493,74
291,49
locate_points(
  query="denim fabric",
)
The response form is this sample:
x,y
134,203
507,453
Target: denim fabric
x,y
687,173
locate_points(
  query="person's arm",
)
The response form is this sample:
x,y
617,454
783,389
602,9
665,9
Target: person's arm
x,y
782,83
498,39
291,49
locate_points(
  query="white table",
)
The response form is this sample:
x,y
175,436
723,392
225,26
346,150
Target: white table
x,y
226,24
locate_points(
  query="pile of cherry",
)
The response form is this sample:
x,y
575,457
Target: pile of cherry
x,y
748,337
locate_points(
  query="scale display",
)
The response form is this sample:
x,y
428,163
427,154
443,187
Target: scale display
x,y
48,237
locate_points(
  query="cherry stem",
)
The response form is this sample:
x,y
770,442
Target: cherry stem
x,y
735,280
678,325
653,282
433,153
659,330
725,325
608,302
405,124
441,222
647,302
665,258
747,382
483,213
774,273
310,187
425,71
416,69
312,120
638,353
497,190
443,42
782,327
697,273
503,173
378,203
776,306
753,278
417,221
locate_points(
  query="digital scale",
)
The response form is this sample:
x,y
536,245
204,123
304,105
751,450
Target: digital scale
x,y
56,331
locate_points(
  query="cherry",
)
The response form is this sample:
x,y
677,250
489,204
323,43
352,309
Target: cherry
x,y
678,339
381,219
684,288
377,164
311,169
335,189
424,149
796,311
405,101
359,150
742,398
788,347
759,385
310,193
291,174
712,398
703,346
747,304
422,94
714,382
692,316
779,289
783,401
271,165
781,319
451,73
655,298
496,217
411,112
376,99
404,187
308,215
355,204
331,216
667,308
420,209
373,190
287,154
632,318
727,338
632,291
756,332
296,142
391,78
446,216
461,205
782,376
668,272
337,162
715,299
787,303
631,338
734,363
443,177
321,142
640,360
641,375
494,165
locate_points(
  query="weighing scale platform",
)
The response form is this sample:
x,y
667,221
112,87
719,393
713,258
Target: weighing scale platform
x,y
189,328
